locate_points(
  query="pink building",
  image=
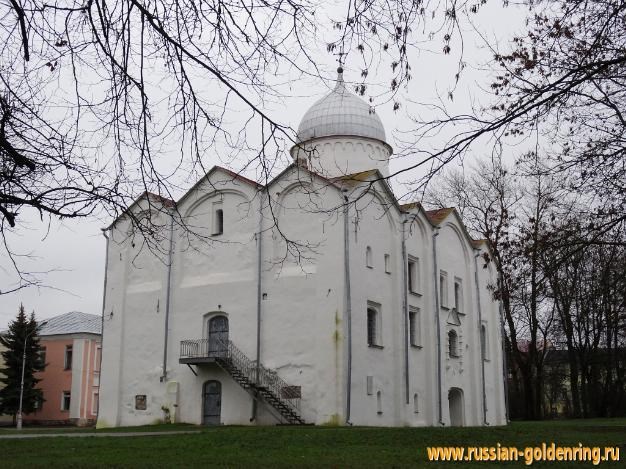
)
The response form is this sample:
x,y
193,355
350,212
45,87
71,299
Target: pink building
x,y
71,346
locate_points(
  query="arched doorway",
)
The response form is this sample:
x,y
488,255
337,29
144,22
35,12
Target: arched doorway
x,y
456,406
211,402
218,335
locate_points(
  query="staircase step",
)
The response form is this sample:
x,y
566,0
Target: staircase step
x,y
245,380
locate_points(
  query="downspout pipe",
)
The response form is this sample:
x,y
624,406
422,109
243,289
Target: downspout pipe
x,y
348,304
405,308
505,364
480,335
259,294
438,325
168,296
104,296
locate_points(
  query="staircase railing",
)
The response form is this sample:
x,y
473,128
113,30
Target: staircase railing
x,y
228,355
202,348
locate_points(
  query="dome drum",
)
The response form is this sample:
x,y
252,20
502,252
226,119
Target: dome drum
x,y
339,155
341,134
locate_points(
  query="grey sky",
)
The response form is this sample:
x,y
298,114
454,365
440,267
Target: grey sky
x,y
73,250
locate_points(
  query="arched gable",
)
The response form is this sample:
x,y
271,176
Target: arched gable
x,y
418,224
212,195
462,239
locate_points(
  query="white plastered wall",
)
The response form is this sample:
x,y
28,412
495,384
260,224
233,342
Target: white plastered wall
x,y
303,326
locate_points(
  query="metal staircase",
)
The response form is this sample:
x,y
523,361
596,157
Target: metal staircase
x,y
267,386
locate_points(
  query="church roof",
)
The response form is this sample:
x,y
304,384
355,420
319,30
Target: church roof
x,y
439,215
340,113
477,243
435,217
159,198
150,197
236,176
357,178
410,206
73,322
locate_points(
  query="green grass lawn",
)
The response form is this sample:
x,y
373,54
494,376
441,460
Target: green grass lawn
x,y
305,446
36,429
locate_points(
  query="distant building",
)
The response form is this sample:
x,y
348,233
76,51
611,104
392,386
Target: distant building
x,y
71,346
4,419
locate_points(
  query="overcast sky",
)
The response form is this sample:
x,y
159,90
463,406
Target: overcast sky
x,y
72,251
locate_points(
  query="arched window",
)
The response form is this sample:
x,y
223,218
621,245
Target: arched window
x,y
453,344
416,407
368,257
379,402
483,341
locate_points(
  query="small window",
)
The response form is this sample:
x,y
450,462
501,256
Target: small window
x,y
416,407
414,327
372,326
97,359
94,403
41,358
218,222
369,385
458,294
368,257
65,401
387,264
484,344
141,402
68,357
379,402
414,275
453,344
443,289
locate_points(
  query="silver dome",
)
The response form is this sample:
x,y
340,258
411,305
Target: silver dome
x,y
340,113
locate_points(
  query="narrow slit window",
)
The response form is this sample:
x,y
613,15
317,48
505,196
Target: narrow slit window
x,y
219,222
368,257
379,402
68,357
443,288
387,263
484,345
416,407
413,272
97,358
372,326
94,403
453,344
458,294
414,327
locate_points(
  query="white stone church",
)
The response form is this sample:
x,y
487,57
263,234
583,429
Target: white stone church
x,y
315,299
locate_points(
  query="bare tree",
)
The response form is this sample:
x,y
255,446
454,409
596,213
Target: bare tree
x,y
93,93
587,287
513,209
563,84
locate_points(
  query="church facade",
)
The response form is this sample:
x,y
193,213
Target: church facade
x,y
316,298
